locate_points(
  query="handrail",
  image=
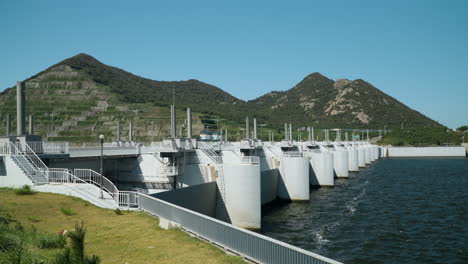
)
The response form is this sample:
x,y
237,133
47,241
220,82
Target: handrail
x,y
35,159
251,245
16,152
95,178
292,154
250,160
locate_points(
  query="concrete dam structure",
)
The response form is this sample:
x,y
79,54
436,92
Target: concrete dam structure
x,y
189,183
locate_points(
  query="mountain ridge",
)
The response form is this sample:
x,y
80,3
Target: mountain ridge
x,y
314,101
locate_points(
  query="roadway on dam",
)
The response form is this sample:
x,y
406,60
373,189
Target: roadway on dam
x,y
396,211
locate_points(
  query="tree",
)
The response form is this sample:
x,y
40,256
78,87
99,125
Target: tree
x,y
463,128
75,252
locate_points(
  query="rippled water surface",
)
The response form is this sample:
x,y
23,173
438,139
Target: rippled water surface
x,y
396,211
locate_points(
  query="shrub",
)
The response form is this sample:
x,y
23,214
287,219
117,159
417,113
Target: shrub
x,y
25,190
50,241
118,211
67,211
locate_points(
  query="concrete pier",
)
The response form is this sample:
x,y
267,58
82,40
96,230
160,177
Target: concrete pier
x,y
340,163
20,108
353,163
243,195
293,182
321,173
361,156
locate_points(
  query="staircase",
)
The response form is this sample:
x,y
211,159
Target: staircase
x,y
83,183
212,156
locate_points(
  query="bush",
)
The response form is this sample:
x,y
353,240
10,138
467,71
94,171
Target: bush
x,y
51,241
118,211
67,211
25,190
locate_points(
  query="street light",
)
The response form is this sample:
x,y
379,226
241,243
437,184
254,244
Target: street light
x,y
101,140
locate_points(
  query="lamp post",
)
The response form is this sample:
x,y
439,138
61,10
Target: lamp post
x,y
101,140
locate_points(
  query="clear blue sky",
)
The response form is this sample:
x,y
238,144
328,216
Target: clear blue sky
x,y
415,51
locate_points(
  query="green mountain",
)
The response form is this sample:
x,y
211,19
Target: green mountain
x,y
80,97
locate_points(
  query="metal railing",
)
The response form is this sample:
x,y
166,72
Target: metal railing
x,y
96,179
168,171
127,199
250,160
292,154
253,246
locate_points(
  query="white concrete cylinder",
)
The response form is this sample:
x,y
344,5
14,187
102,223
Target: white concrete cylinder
x,y
243,195
353,164
368,154
322,169
340,163
361,157
293,183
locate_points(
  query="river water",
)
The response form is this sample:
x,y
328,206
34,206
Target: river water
x,y
396,211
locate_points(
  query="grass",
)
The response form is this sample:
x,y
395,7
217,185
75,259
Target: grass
x,y
133,237
67,211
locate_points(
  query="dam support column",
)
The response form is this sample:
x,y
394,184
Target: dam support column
x,y
321,172
353,164
243,195
367,150
361,156
293,183
340,163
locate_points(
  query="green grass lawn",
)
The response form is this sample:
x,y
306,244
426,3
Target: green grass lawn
x,y
133,237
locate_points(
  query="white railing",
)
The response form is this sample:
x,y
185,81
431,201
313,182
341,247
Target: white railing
x,y
123,198
250,160
55,147
292,154
167,171
127,199
98,180
157,178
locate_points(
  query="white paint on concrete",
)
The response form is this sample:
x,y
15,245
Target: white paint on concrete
x,y
243,195
426,152
293,183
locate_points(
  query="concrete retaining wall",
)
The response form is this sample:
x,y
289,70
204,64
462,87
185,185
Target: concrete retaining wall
x,y
199,198
12,175
426,152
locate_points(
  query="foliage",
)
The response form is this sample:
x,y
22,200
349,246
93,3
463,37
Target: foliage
x,y
422,137
25,190
108,235
75,252
117,211
463,128
67,211
50,241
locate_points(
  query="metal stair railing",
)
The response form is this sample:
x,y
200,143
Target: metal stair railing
x,y
64,176
95,178
218,160
25,162
123,198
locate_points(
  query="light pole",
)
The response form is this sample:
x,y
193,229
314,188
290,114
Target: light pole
x,y
101,140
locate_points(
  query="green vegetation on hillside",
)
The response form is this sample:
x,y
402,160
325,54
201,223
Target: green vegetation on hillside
x,y
80,98
422,137
133,237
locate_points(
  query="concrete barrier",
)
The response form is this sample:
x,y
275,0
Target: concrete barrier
x,y
426,152
353,164
340,163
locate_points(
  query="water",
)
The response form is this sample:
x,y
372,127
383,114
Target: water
x,y
397,211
